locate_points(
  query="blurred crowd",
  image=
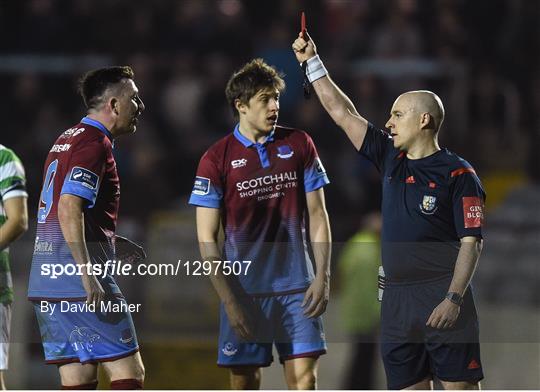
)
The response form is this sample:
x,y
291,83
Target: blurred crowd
x,y
480,56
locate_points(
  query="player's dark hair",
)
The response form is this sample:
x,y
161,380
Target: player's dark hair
x,y
93,84
251,78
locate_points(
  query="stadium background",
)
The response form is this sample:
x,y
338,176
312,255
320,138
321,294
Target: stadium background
x,y
480,56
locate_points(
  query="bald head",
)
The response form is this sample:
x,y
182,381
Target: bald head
x,y
424,101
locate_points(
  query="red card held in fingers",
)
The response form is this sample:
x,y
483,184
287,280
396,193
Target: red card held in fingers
x,y
303,24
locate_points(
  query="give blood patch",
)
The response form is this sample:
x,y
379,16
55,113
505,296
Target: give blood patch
x,y
473,212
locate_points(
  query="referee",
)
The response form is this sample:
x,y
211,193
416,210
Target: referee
x,y
432,209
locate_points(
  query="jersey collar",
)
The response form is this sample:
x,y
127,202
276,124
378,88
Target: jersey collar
x,y
248,143
98,125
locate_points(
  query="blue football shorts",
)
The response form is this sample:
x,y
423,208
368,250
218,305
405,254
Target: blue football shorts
x,y
279,320
85,336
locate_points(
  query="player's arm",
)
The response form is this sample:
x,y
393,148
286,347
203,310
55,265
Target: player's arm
x,y
208,222
446,313
226,286
333,99
17,220
71,217
316,297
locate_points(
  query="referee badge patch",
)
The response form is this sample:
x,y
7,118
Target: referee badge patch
x,y
428,205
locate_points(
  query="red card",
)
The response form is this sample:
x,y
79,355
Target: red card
x,y
473,212
303,25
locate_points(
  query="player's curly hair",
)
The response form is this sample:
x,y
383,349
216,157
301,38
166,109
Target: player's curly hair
x,y
94,83
250,79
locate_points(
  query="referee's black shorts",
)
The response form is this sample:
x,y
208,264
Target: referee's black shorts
x,y
411,351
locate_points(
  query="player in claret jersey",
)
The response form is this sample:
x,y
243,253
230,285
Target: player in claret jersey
x,y
431,237
263,183
76,226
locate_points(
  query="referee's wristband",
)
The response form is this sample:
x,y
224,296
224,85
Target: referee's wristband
x,y
315,69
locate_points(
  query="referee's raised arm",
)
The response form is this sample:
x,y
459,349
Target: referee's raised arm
x,y
336,103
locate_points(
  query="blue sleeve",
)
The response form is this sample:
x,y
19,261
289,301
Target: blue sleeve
x,y
314,172
377,144
85,169
205,194
83,183
315,176
208,186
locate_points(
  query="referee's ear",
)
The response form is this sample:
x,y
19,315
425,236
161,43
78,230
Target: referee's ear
x,y
427,121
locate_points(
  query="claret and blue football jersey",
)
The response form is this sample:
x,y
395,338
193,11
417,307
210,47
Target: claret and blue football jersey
x,y
80,163
261,191
428,205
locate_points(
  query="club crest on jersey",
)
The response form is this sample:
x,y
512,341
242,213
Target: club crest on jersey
x,y
285,152
429,205
229,349
238,163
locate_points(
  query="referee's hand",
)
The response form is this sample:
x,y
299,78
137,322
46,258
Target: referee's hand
x,y
444,315
304,49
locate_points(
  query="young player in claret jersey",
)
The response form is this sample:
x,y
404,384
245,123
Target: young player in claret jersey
x,y
263,184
